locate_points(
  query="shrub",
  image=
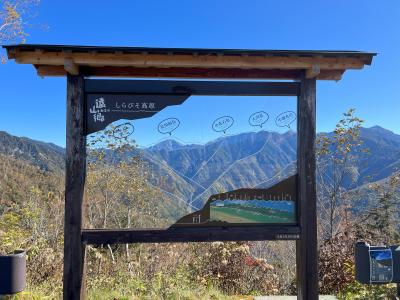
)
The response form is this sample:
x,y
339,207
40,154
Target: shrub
x,y
231,268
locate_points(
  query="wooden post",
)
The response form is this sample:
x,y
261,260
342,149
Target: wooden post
x,y
306,247
75,173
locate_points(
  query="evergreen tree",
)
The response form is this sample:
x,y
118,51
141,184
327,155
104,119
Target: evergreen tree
x,y
380,222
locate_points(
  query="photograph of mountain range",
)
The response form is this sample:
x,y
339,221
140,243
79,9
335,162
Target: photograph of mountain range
x,y
248,206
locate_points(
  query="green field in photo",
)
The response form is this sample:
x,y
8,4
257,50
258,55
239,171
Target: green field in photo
x,y
250,215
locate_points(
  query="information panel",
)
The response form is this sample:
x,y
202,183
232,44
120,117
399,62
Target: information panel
x,y
185,160
377,264
381,266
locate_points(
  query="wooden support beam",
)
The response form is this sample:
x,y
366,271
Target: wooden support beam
x,y
75,173
220,73
194,234
306,247
313,72
330,75
11,53
71,67
189,61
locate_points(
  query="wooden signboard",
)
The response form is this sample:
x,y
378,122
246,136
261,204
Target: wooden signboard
x,y
283,211
93,104
241,206
274,206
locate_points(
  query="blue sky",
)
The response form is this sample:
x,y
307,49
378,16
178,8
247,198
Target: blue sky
x,y
35,107
198,114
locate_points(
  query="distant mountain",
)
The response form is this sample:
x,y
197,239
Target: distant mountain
x,y
259,160
19,180
363,196
253,159
191,173
379,133
167,145
46,156
384,157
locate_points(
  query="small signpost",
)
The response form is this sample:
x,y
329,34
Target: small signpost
x,y
377,264
93,104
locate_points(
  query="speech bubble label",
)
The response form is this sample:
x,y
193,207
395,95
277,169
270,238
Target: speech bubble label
x,y
285,119
123,131
258,118
222,124
168,125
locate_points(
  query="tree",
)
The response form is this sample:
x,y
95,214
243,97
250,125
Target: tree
x,y
337,172
380,222
15,17
338,157
118,193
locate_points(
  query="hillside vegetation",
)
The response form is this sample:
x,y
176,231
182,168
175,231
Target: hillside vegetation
x,y
358,197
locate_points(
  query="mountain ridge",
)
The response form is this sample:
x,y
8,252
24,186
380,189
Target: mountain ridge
x,y
46,156
195,171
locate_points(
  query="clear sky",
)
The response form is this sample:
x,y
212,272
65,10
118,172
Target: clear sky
x,y
35,107
201,119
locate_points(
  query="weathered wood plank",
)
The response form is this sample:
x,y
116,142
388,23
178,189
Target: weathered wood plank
x,y
313,72
75,173
70,67
190,61
220,73
306,247
181,234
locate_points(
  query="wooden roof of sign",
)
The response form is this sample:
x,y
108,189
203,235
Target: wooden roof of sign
x,y
140,62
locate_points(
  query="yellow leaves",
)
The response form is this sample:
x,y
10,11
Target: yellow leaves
x,y
243,248
14,16
11,10
10,219
118,193
335,153
13,234
217,244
